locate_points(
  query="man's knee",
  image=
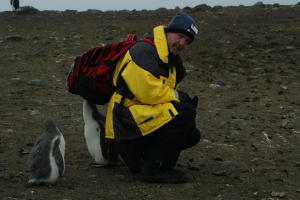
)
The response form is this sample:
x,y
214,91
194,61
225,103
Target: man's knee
x,y
193,138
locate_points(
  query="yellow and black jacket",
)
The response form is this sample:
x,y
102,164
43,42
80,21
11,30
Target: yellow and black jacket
x,y
146,79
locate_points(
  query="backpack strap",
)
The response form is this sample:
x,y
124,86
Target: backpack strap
x,y
148,40
131,37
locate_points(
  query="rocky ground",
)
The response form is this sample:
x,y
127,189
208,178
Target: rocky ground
x,y
244,67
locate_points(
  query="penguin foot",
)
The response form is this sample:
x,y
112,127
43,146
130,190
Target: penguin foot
x,y
35,184
109,164
116,163
41,184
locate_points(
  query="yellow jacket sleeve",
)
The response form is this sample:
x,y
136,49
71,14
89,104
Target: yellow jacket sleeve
x,y
147,88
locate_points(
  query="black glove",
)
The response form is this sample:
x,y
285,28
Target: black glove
x,y
184,97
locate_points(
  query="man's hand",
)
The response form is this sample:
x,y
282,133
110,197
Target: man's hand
x,y
184,97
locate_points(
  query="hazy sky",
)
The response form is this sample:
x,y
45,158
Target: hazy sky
x,y
82,5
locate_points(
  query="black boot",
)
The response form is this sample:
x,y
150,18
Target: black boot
x,y
163,175
153,171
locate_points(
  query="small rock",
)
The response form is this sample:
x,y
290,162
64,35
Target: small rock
x,y
287,124
22,151
214,86
16,79
189,67
296,132
66,116
221,83
284,87
218,159
220,173
290,47
109,38
279,160
192,168
9,130
77,36
278,194
14,38
35,82
34,112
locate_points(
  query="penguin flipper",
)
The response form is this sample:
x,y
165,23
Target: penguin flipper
x,y
59,159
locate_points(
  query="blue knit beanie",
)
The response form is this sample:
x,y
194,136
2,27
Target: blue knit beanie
x,y
183,23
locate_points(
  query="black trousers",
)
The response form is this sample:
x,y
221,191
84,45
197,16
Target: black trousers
x,y
161,149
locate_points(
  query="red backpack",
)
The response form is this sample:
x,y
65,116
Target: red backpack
x,y
91,74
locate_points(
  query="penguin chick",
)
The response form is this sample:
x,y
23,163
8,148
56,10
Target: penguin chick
x,y
94,132
46,161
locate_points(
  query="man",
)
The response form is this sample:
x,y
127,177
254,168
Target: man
x,y
15,4
152,120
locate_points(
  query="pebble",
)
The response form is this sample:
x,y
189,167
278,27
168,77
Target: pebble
x,y
296,132
9,130
279,160
35,82
278,194
220,173
14,38
221,83
15,79
34,112
287,124
214,86
66,116
290,47
284,87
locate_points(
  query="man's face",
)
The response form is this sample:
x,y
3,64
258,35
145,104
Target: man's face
x,y
177,42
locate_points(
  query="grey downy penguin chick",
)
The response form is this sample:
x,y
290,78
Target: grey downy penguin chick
x,y
47,161
103,151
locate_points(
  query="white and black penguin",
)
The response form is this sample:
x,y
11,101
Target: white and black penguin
x,y
15,4
103,151
47,162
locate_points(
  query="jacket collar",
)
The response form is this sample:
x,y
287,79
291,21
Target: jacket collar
x,y
160,41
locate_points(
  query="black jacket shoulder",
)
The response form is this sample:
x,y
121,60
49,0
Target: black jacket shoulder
x,y
145,55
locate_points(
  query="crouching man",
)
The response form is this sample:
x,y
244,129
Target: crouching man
x,y
149,118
